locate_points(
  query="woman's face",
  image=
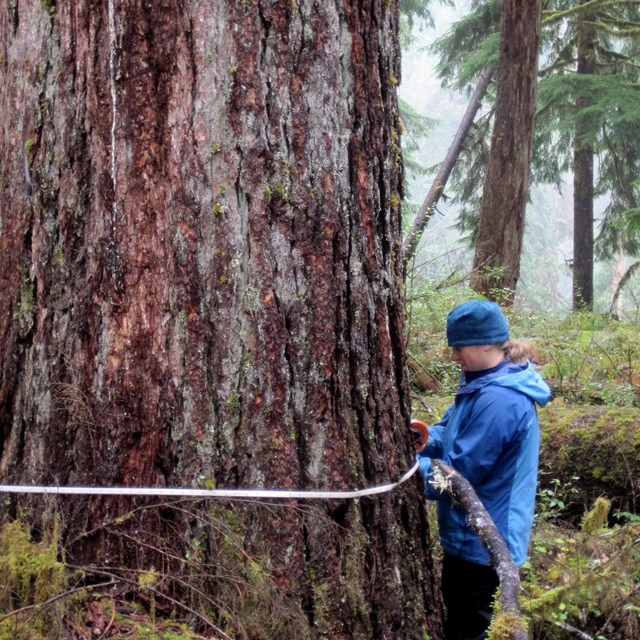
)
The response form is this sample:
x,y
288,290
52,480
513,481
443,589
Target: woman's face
x,y
477,357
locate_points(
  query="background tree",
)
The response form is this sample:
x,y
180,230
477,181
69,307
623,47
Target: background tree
x,y
501,223
588,100
576,111
201,285
583,162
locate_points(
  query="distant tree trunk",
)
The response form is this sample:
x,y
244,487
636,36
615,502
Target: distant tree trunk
x,y
200,284
425,212
619,270
501,223
583,178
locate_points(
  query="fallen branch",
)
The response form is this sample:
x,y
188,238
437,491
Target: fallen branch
x,y
53,599
506,614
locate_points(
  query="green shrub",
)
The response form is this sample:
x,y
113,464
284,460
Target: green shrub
x,y
587,358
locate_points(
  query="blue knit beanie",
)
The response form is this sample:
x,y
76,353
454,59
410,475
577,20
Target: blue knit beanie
x,y
476,322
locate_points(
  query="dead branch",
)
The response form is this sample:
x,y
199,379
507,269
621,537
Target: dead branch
x,y
463,495
437,187
565,626
53,599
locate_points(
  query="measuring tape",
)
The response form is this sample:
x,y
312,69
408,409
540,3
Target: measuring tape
x,y
206,493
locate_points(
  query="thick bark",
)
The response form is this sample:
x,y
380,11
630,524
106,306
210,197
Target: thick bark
x,y
427,209
501,223
203,285
583,162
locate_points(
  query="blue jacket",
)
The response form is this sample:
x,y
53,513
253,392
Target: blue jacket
x,y
491,436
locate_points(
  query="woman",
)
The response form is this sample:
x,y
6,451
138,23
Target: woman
x,y
490,435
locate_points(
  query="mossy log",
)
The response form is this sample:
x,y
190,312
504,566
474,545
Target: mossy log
x,y
588,452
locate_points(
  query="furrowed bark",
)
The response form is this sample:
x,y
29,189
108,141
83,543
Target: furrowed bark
x,y
203,286
501,224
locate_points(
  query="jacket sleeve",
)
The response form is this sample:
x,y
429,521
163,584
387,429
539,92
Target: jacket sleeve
x,y
493,423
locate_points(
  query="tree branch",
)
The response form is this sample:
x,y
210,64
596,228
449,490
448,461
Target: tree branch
x,y
506,609
58,596
437,187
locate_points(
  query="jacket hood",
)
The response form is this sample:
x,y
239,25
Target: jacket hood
x,y
520,377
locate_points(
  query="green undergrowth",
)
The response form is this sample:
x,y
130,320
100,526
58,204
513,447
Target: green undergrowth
x,y
30,574
210,585
584,580
587,358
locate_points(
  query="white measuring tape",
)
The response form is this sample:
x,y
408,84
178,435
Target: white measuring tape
x,y
206,493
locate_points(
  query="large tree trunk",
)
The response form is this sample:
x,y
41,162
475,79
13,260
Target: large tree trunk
x,y
583,177
501,223
200,284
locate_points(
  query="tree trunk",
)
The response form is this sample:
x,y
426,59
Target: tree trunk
x,y
501,223
619,270
583,177
200,284
437,186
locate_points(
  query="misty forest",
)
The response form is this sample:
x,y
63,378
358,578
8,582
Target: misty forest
x,y
230,235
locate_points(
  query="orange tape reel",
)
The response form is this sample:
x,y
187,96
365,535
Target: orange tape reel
x,y
420,433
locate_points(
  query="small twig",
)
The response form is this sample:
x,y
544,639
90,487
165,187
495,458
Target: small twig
x,y
629,475
53,599
120,519
113,617
63,632
565,626
419,399
78,632
159,594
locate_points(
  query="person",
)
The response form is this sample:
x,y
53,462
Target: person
x,y
490,435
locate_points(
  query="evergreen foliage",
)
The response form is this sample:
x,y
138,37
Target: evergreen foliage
x,y
412,12
414,127
605,103
469,46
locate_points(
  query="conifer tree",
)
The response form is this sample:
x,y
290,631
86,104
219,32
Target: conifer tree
x,y
588,99
501,229
588,107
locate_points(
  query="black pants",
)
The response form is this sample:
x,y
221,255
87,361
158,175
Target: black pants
x,y
468,590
